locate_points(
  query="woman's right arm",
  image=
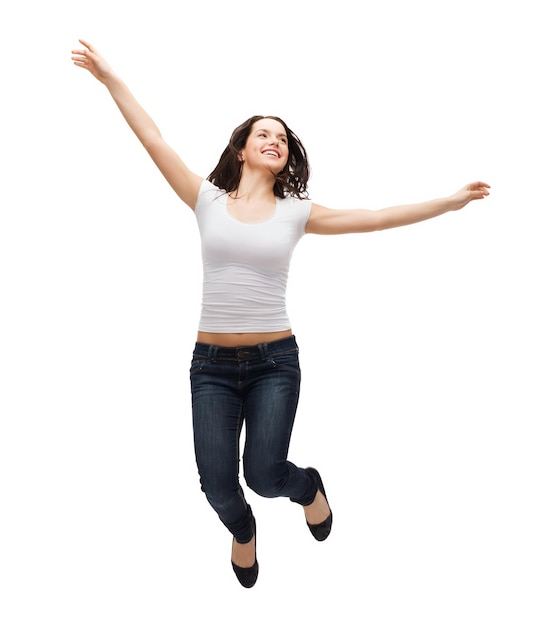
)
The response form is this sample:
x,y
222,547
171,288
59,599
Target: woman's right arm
x,y
185,183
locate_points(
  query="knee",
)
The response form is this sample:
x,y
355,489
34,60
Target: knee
x,y
264,479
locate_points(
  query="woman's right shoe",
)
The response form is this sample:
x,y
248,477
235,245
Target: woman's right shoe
x,y
248,575
320,531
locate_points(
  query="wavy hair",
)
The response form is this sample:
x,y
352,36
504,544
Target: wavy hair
x,y
291,181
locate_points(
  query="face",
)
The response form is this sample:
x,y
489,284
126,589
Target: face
x,y
266,146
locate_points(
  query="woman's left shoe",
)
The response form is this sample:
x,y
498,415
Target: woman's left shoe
x,y
320,531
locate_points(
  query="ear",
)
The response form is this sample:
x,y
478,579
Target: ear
x,y
240,157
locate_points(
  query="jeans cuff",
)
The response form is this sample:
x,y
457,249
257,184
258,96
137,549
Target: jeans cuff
x,y
310,494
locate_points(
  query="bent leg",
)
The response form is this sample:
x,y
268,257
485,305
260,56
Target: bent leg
x,y
269,409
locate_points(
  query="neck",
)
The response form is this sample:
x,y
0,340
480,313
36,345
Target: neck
x,y
255,187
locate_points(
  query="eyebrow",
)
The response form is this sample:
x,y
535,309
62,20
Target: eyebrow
x,y
265,130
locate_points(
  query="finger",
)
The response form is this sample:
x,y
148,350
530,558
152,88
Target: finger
x,y
479,184
80,58
87,45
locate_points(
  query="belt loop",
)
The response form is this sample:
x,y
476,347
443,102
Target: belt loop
x,y
212,353
263,350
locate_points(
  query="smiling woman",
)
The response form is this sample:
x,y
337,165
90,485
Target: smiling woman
x,y
252,210
267,138
276,148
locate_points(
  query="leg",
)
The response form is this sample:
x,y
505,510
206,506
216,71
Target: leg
x,y
270,407
217,413
271,398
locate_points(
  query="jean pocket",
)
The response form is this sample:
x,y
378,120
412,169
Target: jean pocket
x,y
198,364
285,359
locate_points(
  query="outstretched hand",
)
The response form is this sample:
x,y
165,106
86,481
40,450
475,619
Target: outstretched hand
x,y
473,191
89,59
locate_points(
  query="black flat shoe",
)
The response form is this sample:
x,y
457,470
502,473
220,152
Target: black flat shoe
x,y
320,531
248,575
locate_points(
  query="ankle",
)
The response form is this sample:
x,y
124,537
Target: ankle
x,y
243,554
318,511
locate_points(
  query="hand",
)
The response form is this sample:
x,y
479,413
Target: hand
x,y
89,59
473,191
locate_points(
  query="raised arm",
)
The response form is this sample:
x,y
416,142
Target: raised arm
x,y
185,183
324,221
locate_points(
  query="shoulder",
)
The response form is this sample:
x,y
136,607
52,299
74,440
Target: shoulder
x,y
296,204
207,195
208,187
296,211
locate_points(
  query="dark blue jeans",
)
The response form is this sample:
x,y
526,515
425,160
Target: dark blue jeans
x,y
259,386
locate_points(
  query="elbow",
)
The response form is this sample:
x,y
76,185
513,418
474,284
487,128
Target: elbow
x,y
152,141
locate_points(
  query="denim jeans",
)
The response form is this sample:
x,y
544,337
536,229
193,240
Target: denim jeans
x,y
259,386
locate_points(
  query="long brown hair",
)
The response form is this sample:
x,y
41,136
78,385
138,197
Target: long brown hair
x,y
292,180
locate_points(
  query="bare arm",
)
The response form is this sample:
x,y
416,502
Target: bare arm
x,y
324,221
185,183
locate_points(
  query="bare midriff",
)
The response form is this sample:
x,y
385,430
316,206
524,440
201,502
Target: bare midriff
x,y
237,340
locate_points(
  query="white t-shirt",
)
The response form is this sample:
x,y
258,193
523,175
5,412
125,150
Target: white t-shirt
x,y
246,265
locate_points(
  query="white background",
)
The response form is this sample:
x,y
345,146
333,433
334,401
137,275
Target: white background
x,y
423,349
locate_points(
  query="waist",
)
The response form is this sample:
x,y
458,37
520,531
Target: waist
x,y
246,351
236,303
235,340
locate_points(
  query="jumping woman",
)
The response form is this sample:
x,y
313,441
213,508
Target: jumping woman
x,y
251,211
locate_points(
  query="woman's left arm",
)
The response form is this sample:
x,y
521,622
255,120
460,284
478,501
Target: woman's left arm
x,y
324,221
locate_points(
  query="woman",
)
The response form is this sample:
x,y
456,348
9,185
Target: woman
x,y
251,211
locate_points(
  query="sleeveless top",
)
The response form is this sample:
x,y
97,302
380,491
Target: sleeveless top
x,y
245,266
